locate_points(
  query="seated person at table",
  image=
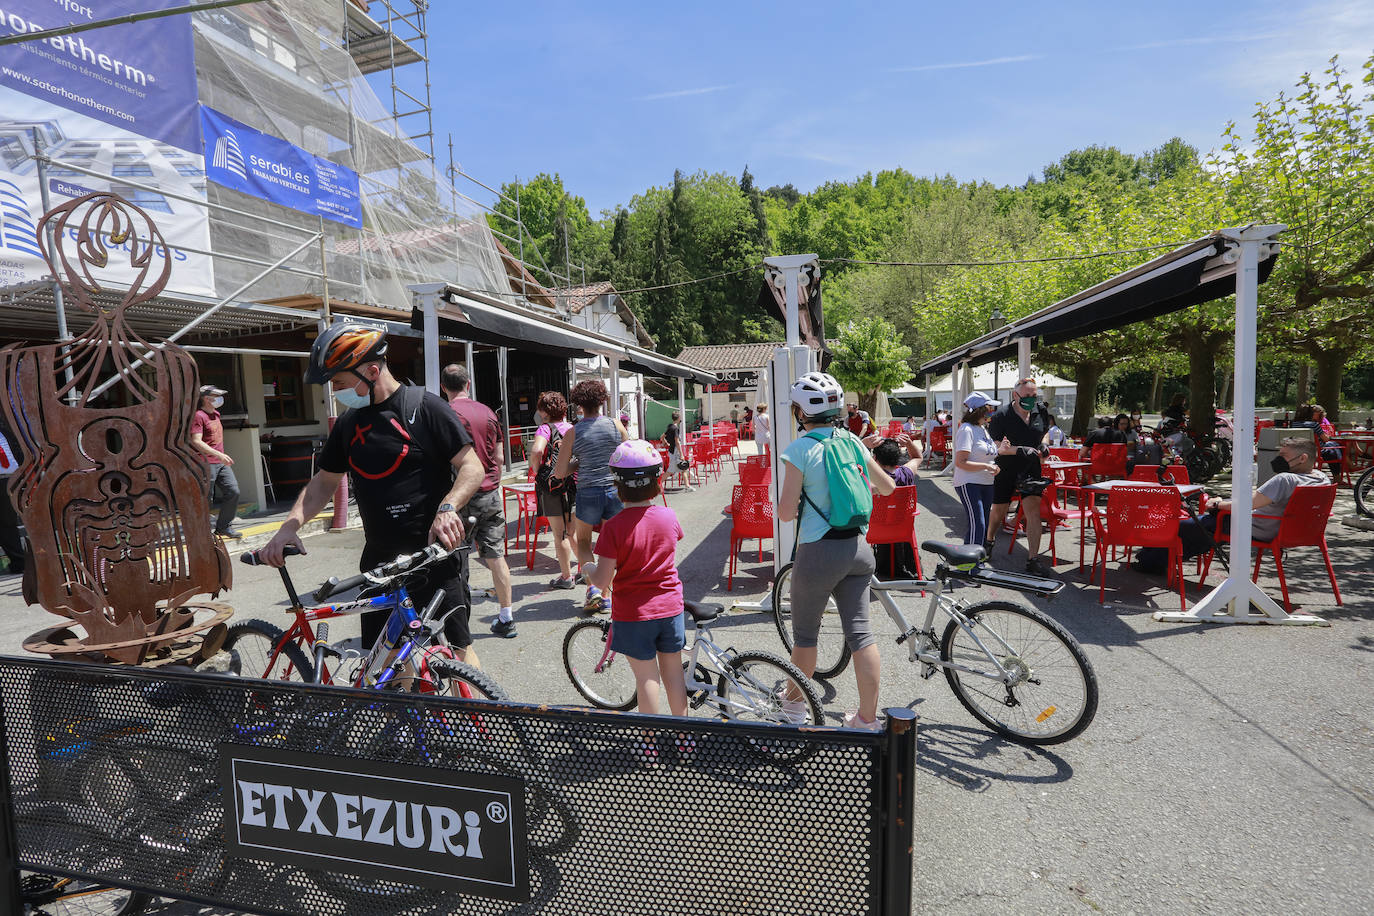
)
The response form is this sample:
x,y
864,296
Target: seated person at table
x,y
1107,432
899,457
1295,466
1056,437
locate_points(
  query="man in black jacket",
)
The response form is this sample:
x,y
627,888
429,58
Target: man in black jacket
x,y
1024,423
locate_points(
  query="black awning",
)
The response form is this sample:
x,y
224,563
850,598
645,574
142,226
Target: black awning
x,y
1187,276
502,329
660,367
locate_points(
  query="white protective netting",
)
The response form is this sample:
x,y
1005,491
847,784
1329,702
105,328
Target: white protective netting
x,y
281,68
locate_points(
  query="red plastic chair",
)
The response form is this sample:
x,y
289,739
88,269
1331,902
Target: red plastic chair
x,y
894,522
751,516
1108,460
755,474
1140,517
1303,524
939,445
1056,516
530,522
704,456
894,427
1262,424
1150,472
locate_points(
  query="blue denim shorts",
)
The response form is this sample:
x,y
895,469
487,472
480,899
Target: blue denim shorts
x,y
644,639
596,504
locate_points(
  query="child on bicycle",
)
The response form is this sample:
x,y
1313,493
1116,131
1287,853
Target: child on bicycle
x,y
637,556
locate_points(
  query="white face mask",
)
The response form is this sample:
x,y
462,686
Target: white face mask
x,y
217,402
351,399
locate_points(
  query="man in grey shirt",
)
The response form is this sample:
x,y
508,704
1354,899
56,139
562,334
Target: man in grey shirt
x,y
1296,466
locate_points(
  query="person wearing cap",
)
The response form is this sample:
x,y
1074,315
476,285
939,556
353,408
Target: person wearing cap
x,y
975,464
207,437
1024,424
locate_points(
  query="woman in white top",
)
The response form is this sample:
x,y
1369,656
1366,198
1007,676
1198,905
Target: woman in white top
x,y
975,464
763,428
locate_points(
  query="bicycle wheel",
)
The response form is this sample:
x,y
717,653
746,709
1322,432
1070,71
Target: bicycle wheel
x,y
832,652
610,685
57,896
459,679
1364,494
751,689
1054,695
250,644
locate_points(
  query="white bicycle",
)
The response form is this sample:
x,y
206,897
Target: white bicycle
x,y
1016,670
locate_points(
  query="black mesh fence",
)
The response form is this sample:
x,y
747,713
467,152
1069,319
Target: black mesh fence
x,y
297,799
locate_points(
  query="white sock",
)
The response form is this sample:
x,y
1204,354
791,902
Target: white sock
x,y
504,615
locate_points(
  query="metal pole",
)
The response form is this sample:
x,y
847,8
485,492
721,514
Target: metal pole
x,y
119,20
472,370
340,519
898,806
104,386
50,244
502,357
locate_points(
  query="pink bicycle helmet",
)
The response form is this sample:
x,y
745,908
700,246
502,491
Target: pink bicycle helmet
x,y
636,463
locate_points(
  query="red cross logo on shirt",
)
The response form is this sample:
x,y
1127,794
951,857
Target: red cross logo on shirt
x,y
360,439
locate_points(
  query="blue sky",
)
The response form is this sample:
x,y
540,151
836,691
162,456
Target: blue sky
x,y
615,96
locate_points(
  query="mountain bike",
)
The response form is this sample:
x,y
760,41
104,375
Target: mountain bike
x,y
412,652
1016,670
737,686
55,895
1364,493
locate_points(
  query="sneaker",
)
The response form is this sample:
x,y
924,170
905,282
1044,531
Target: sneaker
x,y
596,602
232,534
491,592
580,579
560,582
1036,567
852,720
794,712
504,628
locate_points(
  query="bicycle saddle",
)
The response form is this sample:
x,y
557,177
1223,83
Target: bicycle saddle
x,y
956,553
703,612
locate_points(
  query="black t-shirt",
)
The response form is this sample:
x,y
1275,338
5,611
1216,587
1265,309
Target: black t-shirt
x,y
1104,435
399,472
1007,423
670,437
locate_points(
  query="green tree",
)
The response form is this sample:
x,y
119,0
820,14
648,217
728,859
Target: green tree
x,y
1309,164
558,230
869,359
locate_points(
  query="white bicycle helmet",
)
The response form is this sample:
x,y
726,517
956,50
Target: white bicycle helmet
x,y
636,463
818,395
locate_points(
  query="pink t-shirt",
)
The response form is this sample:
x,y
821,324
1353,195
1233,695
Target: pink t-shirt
x,y
643,543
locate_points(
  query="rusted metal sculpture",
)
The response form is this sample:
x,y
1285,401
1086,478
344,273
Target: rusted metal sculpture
x,y
113,496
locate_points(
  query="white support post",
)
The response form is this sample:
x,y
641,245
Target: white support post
x,y
1237,599
960,391
789,362
682,401
426,296
930,398
502,371
472,370
1023,358
613,399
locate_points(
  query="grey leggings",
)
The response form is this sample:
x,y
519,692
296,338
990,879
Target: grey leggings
x,y
839,568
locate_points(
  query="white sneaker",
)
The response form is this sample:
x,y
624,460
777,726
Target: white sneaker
x,y
794,712
852,720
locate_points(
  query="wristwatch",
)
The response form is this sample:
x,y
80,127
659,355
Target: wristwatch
x,y
448,507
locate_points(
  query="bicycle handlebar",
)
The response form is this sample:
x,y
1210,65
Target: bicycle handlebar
x,y
406,563
251,557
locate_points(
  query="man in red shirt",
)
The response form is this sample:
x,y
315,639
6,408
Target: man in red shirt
x,y
859,422
489,535
207,437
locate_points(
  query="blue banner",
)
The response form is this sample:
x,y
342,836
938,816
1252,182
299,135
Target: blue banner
x,y
140,76
247,160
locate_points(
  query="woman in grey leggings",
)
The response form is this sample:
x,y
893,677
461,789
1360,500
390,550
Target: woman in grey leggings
x,y
829,561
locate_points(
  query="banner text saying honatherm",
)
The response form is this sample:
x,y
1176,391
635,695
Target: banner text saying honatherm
x,y
74,46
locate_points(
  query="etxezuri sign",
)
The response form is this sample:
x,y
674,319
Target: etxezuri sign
x,y
446,829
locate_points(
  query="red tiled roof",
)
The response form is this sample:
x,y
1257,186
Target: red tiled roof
x,y
716,357
579,297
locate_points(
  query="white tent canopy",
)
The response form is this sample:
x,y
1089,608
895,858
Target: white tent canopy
x,y
1060,392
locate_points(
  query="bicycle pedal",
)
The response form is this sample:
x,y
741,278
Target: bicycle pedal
x,y
914,631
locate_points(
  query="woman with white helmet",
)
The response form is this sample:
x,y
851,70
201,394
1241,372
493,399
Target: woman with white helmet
x,y
829,561
637,557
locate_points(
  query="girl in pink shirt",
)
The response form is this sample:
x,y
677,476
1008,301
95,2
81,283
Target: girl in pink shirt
x,y
637,557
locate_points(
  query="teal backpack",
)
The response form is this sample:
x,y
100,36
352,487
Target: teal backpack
x,y
846,463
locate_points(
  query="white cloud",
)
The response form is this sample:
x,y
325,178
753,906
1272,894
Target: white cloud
x,y
1309,37
680,93
990,62
1202,40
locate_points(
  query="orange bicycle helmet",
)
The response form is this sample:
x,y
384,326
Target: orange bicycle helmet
x,y
342,347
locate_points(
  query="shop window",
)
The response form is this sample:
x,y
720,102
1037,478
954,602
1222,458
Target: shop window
x,y
223,371
283,391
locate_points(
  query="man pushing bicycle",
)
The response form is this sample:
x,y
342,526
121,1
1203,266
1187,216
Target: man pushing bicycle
x,y
400,446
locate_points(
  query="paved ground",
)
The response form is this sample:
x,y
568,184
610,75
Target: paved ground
x,y
1228,770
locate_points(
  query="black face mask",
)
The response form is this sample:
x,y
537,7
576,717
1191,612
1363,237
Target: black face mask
x,y
1279,464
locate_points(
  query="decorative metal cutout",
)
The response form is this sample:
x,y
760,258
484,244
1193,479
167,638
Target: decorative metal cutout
x,y
113,496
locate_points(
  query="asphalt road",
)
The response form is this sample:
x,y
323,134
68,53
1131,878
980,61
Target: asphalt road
x,y
1228,769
